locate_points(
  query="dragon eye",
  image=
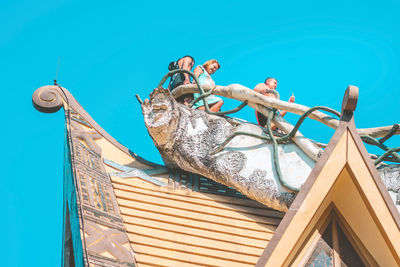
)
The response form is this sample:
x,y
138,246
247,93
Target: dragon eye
x,y
160,106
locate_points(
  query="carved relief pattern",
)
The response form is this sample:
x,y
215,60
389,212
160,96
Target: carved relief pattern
x,y
78,118
89,159
108,240
88,137
101,222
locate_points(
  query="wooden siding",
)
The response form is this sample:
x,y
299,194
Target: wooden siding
x,y
174,227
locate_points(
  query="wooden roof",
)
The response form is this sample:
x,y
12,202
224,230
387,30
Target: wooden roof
x,y
179,227
122,210
119,206
345,180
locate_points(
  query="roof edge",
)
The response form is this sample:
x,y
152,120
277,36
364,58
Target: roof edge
x,y
50,98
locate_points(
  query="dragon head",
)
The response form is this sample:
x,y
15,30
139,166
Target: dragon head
x,y
160,115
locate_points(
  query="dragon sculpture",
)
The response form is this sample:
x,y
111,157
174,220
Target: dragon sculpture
x,y
246,156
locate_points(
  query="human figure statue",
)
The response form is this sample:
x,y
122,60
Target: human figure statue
x,y
269,84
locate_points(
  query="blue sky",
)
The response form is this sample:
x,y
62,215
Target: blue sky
x,y
111,51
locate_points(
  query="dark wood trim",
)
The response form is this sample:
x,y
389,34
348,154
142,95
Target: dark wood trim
x,y
320,226
358,246
335,243
332,214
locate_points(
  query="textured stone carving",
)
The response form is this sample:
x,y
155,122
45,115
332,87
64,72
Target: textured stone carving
x,y
186,137
391,177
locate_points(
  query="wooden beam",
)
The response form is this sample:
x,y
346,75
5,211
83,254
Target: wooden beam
x,y
242,93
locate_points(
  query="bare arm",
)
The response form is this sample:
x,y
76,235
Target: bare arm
x,y
291,100
197,71
260,88
186,64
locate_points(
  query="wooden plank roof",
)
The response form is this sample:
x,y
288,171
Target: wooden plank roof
x,y
179,227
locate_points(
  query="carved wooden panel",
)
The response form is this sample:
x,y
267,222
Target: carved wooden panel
x,y
104,239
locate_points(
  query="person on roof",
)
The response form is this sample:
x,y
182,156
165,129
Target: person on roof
x,y
204,72
262,88
184,63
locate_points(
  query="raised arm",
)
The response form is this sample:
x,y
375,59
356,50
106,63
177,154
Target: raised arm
x,y
291,100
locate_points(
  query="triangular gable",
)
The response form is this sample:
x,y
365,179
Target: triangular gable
x,y
345,180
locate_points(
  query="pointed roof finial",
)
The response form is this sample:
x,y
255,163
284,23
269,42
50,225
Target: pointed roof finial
x,y
349,103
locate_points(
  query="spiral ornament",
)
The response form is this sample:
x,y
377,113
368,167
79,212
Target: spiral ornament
x,y
47,99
